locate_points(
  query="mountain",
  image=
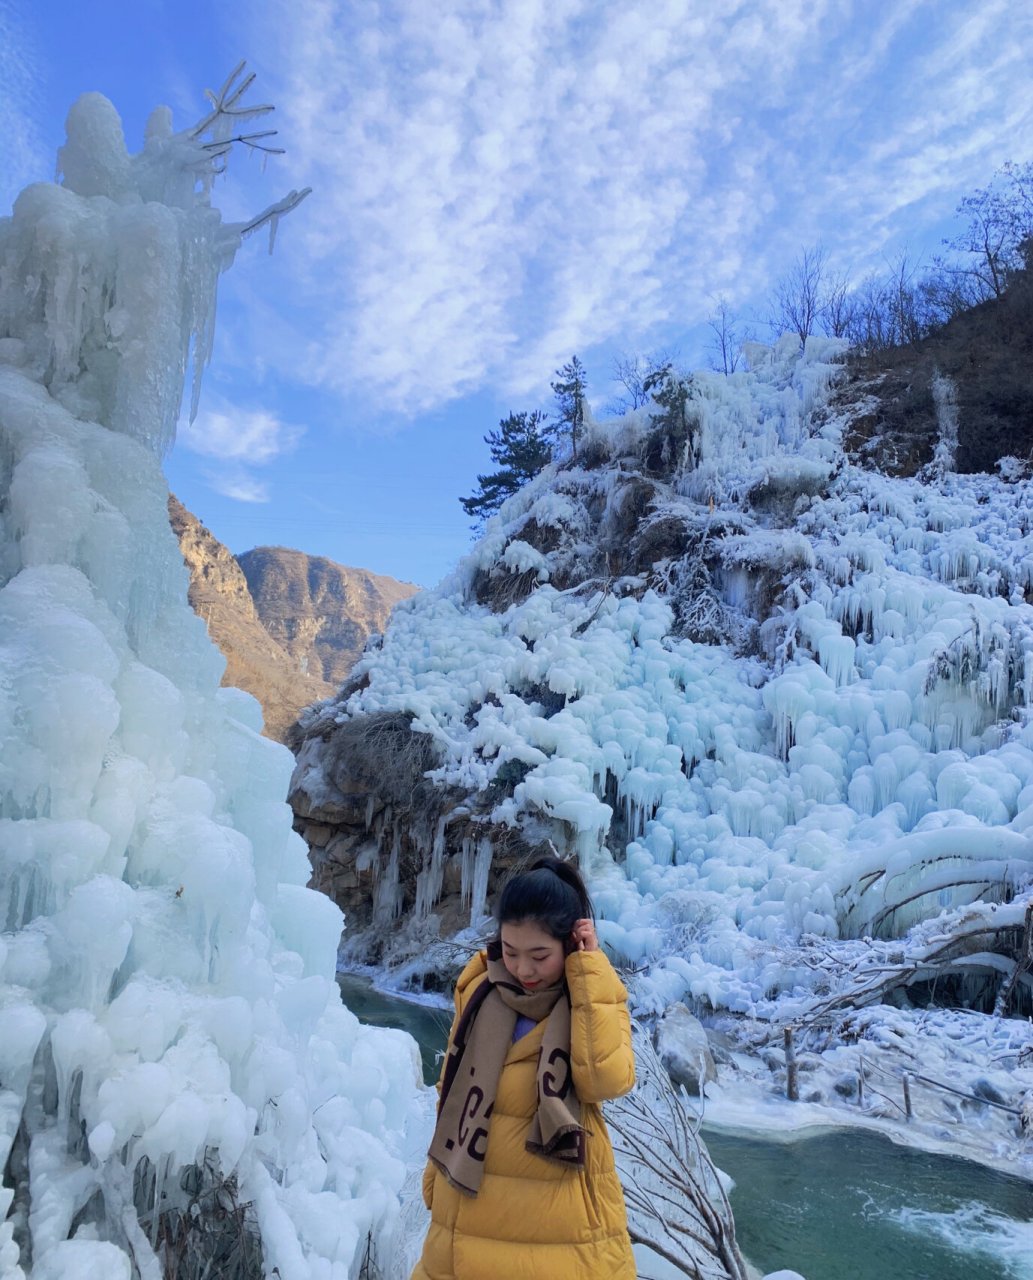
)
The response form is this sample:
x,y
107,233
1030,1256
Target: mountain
x,y
311,616
767,680
320,612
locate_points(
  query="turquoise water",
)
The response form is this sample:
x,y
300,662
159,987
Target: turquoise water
x,y
428,1026
844,1205
851,1205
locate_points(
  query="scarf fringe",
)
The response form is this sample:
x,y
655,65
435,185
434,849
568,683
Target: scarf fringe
x,y
575,1154
452,1182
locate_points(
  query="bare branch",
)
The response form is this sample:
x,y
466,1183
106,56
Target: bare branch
x,y
224,103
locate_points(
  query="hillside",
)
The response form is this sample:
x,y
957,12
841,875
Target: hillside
x,y
320,612
987,355
281,618
774,699
255,662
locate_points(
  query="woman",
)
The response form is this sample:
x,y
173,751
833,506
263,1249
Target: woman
x,y
520,1182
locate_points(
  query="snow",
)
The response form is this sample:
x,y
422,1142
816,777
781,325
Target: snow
x,y
866,773
167,993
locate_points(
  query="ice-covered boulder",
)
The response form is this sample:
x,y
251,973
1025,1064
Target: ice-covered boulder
x,y
681,1042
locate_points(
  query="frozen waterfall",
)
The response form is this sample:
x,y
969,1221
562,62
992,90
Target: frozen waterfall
x,y
171,1035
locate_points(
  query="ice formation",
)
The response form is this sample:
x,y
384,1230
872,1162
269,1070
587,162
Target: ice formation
x,y
749,823
170,1026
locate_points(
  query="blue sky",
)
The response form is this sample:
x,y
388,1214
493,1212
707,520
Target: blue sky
x,y
498,184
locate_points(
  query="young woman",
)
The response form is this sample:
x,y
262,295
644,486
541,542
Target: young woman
x,y
520,1181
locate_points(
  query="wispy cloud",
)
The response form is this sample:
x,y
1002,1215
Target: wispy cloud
x,y
241,441
238,485
25,159
502,182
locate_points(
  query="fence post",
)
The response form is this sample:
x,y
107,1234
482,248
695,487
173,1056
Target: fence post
x,y
792,1070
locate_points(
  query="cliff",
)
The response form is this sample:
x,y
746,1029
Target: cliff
x,y
319,612
255,661
289,625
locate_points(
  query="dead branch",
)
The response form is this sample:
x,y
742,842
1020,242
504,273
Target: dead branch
x,y
1024,962
224,103
677,1206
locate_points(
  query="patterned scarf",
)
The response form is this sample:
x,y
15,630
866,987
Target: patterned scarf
x,y
482,1039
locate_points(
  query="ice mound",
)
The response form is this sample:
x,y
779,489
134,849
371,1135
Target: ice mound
x,y
171,1035
861,763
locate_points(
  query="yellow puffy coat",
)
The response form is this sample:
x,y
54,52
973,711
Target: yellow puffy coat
x,y
533,1218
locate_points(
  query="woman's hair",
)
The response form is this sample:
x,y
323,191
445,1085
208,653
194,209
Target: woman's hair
x,y
551,893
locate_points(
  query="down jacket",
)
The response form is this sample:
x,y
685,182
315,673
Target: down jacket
x,y
533,1218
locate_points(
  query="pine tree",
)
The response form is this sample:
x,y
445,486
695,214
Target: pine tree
x,y
676,426
521,447
569,390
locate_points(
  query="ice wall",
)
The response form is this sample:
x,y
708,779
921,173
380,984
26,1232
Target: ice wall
x,y
170,1027
866,765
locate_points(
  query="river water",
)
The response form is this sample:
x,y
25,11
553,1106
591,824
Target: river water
x,y
842,1205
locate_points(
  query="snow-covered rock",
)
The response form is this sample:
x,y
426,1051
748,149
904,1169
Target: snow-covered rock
x,y
778,705
681,1043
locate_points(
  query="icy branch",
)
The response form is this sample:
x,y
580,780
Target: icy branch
x,y
250,140
224,103
272,216
676,1204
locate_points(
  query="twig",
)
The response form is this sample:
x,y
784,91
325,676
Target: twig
x,y
969,1097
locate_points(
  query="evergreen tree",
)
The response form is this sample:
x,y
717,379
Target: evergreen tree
x,y
521,447
676,426
569,390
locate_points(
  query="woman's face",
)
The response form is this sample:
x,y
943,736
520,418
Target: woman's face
x,y
535,958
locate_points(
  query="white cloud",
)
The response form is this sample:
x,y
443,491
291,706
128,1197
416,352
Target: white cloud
x,y
237,484
238,435
499,183
241,440
25,159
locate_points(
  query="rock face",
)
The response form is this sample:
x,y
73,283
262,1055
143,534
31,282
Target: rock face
x,y
363,784
294,645
319,612
254,660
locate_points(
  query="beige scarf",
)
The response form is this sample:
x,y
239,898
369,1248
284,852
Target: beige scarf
x,y
482,1039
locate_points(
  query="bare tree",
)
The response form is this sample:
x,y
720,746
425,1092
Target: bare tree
x,y
677,1207
838,306
729,336
905,301
799,297
947,290
868,328
633,373
1000,224
897,308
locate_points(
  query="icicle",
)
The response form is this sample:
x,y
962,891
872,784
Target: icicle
x,y
429,880
479,885
385,901
466,870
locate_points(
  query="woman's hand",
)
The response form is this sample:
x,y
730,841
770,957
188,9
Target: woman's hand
x,y
583,936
